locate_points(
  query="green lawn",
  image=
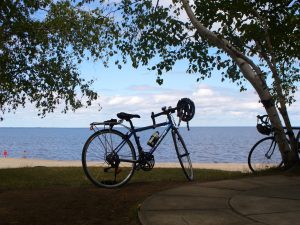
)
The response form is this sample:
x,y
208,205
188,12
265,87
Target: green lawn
x,y
38,177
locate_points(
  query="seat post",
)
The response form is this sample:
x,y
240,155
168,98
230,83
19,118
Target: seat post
x,y
131,124
137,139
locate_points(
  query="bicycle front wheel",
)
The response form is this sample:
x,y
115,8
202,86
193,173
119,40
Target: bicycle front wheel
x,y
108,158
298,141
183,155
264,155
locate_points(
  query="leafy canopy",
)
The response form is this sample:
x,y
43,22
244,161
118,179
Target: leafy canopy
x,y
265,31
41,44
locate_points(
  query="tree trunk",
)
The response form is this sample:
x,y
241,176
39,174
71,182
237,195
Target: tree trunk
x,y
285,116
254,75
259,84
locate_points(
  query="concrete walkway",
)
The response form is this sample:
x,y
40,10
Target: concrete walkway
x,y
258,200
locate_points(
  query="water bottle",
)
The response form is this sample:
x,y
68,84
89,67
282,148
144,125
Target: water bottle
x,y
153,139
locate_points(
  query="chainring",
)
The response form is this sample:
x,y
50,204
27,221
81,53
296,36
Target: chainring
x,y
147,161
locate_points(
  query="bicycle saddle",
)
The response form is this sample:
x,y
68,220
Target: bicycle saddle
x,y
127,116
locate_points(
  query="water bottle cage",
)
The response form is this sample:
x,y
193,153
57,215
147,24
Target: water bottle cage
x,y
153,139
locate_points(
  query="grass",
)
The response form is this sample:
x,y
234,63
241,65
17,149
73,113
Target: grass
x,y
294,171
42,195
40,177
176,174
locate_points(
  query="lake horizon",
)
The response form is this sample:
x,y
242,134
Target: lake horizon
x,y
205,144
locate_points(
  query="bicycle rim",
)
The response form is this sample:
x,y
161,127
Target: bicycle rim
x,y
183,155
264,155
298,141
102,159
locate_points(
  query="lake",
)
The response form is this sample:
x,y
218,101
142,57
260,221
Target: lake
x,y
206,144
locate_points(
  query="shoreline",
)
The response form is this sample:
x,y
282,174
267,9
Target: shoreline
x,y
6,163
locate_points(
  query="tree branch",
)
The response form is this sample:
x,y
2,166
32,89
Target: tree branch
x,y
203,31
267,37
220,42
120,8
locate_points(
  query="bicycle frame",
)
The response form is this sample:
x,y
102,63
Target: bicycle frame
x,y
274,143
133,132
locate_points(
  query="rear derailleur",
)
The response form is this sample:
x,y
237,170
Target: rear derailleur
x,y
113,160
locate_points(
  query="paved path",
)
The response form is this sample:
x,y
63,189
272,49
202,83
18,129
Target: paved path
x,y
258,200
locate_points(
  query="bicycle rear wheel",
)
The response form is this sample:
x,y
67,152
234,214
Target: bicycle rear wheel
x,y
264,155
108,158
183,155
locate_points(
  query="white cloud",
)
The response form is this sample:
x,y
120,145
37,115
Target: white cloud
x,y
124,100
236,113
212,104
203,92
215,106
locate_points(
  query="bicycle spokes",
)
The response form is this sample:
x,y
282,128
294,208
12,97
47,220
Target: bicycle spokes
x,y
102,164
264,155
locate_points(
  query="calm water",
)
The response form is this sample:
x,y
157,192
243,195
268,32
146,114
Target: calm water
x,y
206,144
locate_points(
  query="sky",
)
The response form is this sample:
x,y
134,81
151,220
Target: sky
x,y
136,91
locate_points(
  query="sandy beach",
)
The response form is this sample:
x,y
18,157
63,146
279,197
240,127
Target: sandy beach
x,y
20,162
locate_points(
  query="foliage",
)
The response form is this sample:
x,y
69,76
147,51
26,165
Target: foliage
x,y
266,31
41,44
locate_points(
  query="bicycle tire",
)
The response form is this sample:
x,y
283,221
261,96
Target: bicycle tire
x,y
264,155
102,166
183,155
298,142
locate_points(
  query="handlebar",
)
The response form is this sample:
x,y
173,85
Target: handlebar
x,y
165,111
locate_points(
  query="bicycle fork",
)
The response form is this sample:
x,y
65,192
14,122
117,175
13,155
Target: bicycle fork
x,y
271,150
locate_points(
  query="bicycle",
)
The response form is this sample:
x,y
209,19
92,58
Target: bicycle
x,y
109,157
265,153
